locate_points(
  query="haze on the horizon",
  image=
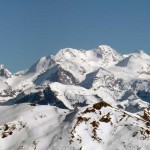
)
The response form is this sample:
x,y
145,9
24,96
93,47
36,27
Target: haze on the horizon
x,y
31,29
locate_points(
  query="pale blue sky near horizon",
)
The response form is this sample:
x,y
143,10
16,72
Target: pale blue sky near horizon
x,y
30,29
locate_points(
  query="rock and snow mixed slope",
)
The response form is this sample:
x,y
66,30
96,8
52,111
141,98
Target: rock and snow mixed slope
x,y
58,102
99,126
4,72
102,126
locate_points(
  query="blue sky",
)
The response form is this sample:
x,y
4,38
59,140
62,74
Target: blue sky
x,y
30,29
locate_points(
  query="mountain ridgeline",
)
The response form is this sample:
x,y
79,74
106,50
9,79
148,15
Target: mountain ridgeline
x,y
102,72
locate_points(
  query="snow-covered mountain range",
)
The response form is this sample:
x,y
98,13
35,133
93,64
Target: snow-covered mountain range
x,y
77,100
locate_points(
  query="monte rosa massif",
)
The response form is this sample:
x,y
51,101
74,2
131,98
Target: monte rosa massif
x,y
77,100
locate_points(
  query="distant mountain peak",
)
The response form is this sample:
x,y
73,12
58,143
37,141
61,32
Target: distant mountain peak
x,y
107,49
4,72
108,54
1,66
104,46
139,51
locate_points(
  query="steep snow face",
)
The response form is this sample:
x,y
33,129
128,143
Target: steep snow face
x,y
41,65
4,72
73,61
107,86
56,74
5,90
108,55
73,96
